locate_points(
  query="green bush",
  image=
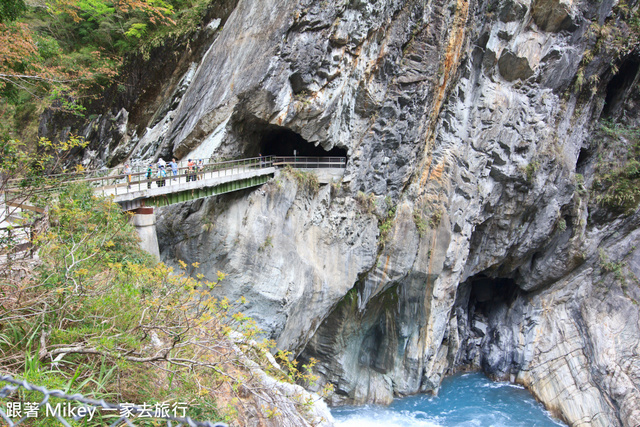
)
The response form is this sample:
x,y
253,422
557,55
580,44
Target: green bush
x,y
617,178
74,49
305,179
118,325
366,202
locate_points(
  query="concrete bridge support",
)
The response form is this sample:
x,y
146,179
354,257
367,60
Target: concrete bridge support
x,y
144,220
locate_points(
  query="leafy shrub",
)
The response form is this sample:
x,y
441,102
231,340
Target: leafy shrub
x,y
385,224
562,224
117,324
433,217
366,202
617,179
76,47
420,223
531,169
305,179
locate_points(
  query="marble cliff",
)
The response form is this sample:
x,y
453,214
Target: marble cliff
x,y
467,231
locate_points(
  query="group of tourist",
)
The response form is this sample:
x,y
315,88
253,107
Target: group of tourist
x,y
193,171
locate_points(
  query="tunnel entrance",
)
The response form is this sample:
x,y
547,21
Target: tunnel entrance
x,y
258,136
619,85
280,141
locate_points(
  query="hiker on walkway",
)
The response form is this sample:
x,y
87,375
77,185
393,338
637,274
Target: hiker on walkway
x,y
149,175
190,170
200,169
162,174
127,172
174,168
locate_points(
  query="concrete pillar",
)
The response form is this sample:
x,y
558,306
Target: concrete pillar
x,y
144,220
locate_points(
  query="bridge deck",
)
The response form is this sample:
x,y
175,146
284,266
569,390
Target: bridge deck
x,y
210,183
209,179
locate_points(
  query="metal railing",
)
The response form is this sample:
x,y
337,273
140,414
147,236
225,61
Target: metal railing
x,y
114,181
311,162
14,413
142,180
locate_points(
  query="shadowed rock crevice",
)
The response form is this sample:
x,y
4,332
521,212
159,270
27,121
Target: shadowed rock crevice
x,y
487,310
619,86
583,159
357,349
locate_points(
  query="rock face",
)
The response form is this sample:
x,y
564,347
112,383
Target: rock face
x,y
269,241
552,15
133,115
461,236
514,67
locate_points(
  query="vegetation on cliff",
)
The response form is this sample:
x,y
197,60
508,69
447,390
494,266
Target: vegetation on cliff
x,y
62,53
87,311
96,315
617,180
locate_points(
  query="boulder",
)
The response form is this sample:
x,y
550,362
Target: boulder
x,y
513,67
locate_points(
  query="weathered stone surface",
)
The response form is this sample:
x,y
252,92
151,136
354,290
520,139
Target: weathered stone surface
x,y
292,238
553,15
514,67
512,10
231,66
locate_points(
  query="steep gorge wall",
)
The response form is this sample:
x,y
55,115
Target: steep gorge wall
x,y
127,120
460,236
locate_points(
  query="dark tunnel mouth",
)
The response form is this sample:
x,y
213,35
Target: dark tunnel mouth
x,y
488,292
619,85
280,141
269,139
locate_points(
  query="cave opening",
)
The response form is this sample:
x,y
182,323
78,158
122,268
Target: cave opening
x,y
281,141
619,85
262,137
583,157
485,316
487,293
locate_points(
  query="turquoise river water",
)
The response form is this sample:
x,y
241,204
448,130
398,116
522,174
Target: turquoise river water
x,y
464,400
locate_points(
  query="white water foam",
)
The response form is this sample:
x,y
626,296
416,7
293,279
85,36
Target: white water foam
x,y
375,416
390,421
467,400
501,384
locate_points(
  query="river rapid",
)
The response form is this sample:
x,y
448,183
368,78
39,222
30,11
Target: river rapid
x,y
469,399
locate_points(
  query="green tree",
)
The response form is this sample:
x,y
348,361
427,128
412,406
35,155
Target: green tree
x,y
10,10
64,54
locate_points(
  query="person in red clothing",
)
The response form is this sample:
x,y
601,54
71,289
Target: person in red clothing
x,y
191,166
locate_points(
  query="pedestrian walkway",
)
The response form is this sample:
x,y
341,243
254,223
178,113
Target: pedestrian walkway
x,y
135,190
